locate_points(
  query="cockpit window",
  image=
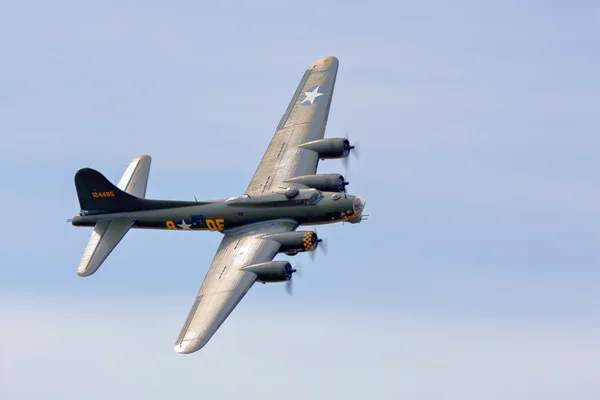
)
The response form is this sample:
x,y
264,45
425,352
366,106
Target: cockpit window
x,y
238,199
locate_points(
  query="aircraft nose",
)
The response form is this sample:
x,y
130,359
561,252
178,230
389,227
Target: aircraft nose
x,y
358,205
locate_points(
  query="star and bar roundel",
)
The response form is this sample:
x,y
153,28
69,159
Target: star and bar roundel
x,y
311,96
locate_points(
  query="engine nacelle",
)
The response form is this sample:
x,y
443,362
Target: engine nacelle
x,y
323,182
273,271
295,242
329,148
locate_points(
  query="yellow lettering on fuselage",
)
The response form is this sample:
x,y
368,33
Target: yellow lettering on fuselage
x,y
210,224
171,225
216,224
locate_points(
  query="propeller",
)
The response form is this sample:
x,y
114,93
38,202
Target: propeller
x,y
343,183
353,150
289,285
321,244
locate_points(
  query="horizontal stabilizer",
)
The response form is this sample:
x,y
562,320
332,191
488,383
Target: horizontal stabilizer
x,y
105,237
135,179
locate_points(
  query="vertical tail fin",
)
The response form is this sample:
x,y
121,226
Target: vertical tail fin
x,y
98,194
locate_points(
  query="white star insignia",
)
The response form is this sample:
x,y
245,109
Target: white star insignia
x,y
184,225
311,96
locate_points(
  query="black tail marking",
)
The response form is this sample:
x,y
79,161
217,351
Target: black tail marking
x,y
97,195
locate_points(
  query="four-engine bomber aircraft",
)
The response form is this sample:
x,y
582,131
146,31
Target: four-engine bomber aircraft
x,y
284,193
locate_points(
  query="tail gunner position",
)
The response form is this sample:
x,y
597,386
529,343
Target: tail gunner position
x,y
284,193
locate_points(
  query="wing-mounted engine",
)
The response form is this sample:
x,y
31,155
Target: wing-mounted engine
x,y
329,148
295,242
272,271
322,182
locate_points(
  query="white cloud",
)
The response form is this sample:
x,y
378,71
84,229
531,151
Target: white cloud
x,y
61,350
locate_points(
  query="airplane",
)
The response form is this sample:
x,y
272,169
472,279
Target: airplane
x,y
284,194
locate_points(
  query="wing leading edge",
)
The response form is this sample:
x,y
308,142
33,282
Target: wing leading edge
x,y
225,283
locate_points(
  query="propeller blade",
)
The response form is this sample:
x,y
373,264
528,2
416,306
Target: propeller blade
x,y
353,151
323,246
289,287
346,162
355,147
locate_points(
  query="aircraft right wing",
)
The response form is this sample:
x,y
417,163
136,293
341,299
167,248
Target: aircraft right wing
x,y
226,283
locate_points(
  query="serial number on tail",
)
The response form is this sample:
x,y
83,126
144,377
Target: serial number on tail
x,y
97,195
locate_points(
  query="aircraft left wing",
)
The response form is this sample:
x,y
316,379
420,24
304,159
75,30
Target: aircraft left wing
x,y
226,283
304,120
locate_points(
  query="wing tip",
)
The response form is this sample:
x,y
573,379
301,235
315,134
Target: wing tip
x,y
325,63
85,269
83,273
142,157
189,346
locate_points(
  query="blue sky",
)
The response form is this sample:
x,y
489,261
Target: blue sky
x,y
475,277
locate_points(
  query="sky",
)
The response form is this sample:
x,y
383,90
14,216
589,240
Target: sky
x,y
476,275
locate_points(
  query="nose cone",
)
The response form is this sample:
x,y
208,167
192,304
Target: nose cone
x,y
358,205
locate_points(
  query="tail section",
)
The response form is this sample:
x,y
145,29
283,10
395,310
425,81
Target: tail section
x,y
97,194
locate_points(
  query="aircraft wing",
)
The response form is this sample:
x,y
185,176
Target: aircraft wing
x,y
226,283
303,121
